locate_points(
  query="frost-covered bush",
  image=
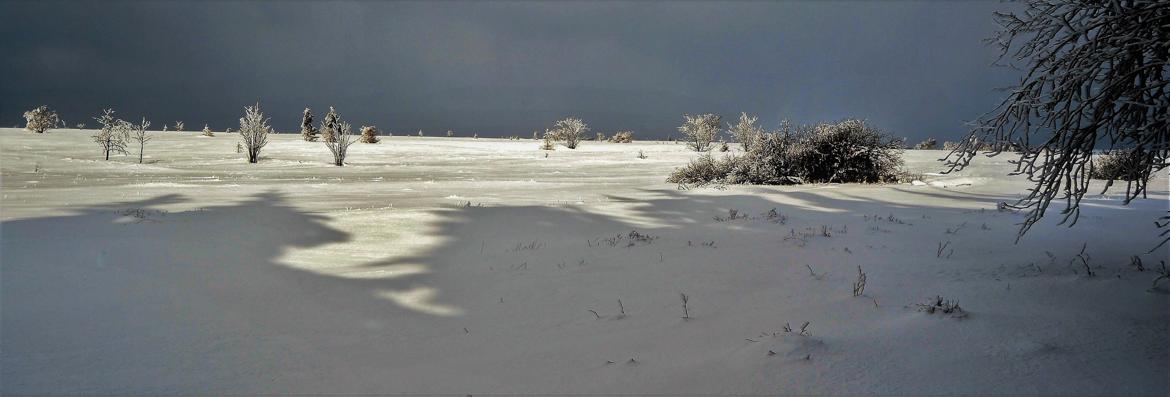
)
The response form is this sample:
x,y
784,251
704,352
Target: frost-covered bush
x,y
41,119
850,151
950,145
138,133
113,135
207,131
928,144
254,130
703,170
329,125
369,134
700,130
179,126
747,131
550,141
342,135
622,137
309,131
1120,165
845,152
571,130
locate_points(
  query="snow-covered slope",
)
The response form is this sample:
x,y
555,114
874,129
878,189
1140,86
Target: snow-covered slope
x,y
464,266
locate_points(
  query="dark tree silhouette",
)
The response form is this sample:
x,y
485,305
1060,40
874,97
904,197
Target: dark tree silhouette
x,y
1094,78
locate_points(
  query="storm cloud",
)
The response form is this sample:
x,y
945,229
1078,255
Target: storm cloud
x,y
916,69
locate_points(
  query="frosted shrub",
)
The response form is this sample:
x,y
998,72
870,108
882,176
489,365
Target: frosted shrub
x,y
254,130
179,126
309,131
950,145
928,144
700,130
342,138
369,134
571,130
138,134
329,125
207,131
1117,165
703,170
747,131
113,134
41,119
622,137
845,152
550,142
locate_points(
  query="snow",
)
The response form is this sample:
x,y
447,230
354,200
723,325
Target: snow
x,y
198,273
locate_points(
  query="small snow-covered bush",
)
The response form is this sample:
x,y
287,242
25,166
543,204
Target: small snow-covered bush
x,y
207,131
179,126
550,142
309,131
571,130
950,145
342,135
622,137
41,119
369,134
700,130
703,170
254,130
1120,165
329,125
928,144
938,304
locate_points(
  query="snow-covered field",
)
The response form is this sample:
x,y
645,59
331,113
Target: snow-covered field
x,y
463,266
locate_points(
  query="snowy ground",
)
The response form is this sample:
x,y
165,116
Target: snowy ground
x,y
199,273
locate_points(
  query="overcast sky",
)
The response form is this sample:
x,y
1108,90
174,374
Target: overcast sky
x,y
915,69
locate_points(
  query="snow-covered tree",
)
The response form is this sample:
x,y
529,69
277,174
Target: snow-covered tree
x,y
701,130
113,135
309,131
342,135
207,131
369,134
328,125
747,131
1095,74
571,130
254,130
138,134
40,119
179,126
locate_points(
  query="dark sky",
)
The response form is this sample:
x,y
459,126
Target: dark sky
x,y
915,69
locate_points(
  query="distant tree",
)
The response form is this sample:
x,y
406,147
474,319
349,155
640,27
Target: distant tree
x,y
138,134
178,126
928,144
700,130
113,135
342,137
207,131
420,133
40,119
254,130
329,125
450,133
1095,75
747,131
369,134
571,130
80,126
